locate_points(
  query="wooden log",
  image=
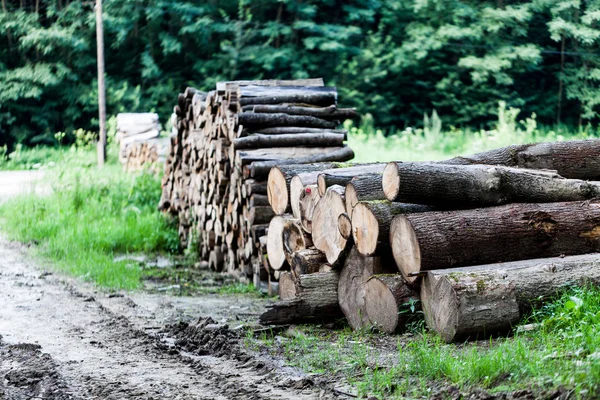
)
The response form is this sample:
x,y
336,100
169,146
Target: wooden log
x,y
250,120
294,239
351,288
279,181
464,186
256,141
576,159
342,175
317,99
366,187
388,302
371,222
307,261
286,155
308,201
345,225
330,112
316,300
261,169
466,306
287,286
260,215
284,130
436,240
275,250
325,233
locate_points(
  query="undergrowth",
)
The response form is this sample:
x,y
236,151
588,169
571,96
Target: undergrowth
x,y
89,216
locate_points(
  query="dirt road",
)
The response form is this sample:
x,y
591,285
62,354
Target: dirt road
x,y
63,339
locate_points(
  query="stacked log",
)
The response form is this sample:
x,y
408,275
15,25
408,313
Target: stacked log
x,y
140,147
472,245
226,141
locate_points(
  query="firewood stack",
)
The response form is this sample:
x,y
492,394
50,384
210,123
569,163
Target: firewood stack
x,y
225,144
140,145
472,241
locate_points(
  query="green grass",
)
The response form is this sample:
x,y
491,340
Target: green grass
x,y
562,353
435,142
90,216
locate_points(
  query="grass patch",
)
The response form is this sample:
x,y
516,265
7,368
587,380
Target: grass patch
x,y
90,215
562,355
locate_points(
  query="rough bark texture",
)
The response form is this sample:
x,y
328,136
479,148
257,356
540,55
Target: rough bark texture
x,y
330,112
307,261
351,289
341,176
365,187
436,240
464,308
388,300
256,141
464,186
260,169
325,232
577,159
371,222
316,300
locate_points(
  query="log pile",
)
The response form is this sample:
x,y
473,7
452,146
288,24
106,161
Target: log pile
x,y
473,241
226,142
140,145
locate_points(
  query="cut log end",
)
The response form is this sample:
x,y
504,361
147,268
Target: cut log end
x,y
365,230
391,181
381,306
405,248
326,235
287,286
277,191
321,184
351,198
296,190
275,243
345,225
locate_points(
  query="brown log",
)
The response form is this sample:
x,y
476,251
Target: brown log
x,y
316,98
388,301
464,186
345,225
256,141
250,120
351,288
436,240
307,261
331,112
365,187
371,222
316,300
262,168
308,201
283,130
294,239
286,155
576,159
342,175
325,233
260,215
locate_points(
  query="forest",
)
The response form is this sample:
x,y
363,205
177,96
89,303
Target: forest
x,y
395,60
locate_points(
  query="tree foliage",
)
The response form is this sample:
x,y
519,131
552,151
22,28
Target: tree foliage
x,y
394,59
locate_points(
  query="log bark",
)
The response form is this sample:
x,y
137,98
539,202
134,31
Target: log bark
x,y
576,159
464,186
316,301
281,130
317,99
256,141
325,233
388,301
351,289
331,112
286,155
342,175
261,169
371,222
436,240
250,120
307,261
366,187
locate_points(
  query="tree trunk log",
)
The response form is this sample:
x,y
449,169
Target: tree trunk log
x,y
388,301
294,239
436,240
257,141
317,99
331,112
576,159
341,176
275,249
464,186
351,289
260,169
366,187
316,300
287,286
308,201
307,261
371,222
250,120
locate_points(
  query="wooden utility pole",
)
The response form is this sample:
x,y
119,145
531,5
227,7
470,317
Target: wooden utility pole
x,y
101,88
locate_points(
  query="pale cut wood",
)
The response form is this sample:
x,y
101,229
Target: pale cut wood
x,y
388,299
287,286
275,241
308,201
326,235
436,240
294,239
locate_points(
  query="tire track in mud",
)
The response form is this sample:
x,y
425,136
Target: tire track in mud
x,y
87,345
